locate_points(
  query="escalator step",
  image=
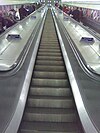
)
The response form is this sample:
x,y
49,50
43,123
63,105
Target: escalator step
x,y
54,44
57,58
50,82
50,117
35,131
51,62
49,68
50,91
51,75
50,50
50,127
49,54
50,110
49,47
47,41
50,103
49,97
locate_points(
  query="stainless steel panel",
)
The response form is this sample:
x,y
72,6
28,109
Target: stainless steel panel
x,y
10,49
89,50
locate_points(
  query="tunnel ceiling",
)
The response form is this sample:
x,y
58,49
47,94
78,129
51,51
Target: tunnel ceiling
x,y
93,4
7,2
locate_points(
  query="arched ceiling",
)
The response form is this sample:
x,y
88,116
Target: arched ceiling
x,y
93,4
9,2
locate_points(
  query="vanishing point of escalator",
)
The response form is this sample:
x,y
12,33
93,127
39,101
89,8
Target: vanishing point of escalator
x,y
50,107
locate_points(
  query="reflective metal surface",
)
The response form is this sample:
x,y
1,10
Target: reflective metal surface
x,y
89,50
10,49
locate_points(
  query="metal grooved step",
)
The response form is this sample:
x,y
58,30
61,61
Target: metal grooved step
x,y
50,107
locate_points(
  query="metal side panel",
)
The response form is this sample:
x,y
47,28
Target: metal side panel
x,y
89,50
14,41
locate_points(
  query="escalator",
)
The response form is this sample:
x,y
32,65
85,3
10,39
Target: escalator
x,y
50,106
